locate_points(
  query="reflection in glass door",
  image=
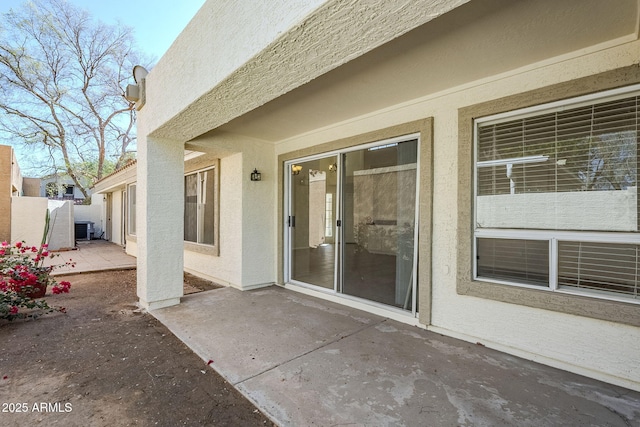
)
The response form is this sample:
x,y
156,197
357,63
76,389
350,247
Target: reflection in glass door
x,y
379,212
312,192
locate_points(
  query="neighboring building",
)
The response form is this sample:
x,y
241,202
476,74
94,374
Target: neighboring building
x,y
55,187
111,193
469,167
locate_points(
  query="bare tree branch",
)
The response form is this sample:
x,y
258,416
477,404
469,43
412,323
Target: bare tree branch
x,y
61,78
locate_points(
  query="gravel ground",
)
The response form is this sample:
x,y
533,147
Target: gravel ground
x,y
104,363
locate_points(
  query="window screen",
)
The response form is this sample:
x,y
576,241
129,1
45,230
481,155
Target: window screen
x,y
521,261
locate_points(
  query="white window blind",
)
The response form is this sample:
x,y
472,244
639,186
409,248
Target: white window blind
x,y
199,207
589,148
191,208
521,261
599,267
132,208
571,168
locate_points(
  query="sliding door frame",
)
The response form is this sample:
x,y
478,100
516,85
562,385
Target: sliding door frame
x,y
288,210
423,127
339,259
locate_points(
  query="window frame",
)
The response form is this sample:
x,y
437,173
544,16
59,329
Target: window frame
x,y
624,311
131,209
552,236
200,247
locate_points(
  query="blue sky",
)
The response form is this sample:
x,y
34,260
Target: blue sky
x,y
157,22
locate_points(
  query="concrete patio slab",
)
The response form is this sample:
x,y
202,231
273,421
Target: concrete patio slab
x,y
93,255
305,361
239,348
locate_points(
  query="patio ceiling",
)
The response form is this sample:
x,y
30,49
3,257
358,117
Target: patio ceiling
x,y
475,41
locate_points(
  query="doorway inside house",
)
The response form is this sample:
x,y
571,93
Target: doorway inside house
x,y
352,222
312,192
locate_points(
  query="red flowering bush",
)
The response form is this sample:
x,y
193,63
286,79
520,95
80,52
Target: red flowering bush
x,y
18,306
24,279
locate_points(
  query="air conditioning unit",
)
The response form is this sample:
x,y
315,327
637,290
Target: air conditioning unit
x,y
84,230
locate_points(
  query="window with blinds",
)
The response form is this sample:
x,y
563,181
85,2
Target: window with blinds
x,y
556,196
132,209
521,261
600,267
199,207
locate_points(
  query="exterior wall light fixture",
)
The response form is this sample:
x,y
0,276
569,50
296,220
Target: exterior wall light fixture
x,y
255,175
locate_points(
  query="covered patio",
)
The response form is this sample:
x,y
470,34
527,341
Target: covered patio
x,y
335,102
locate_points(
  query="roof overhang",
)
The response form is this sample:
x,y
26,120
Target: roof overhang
x,y
333,34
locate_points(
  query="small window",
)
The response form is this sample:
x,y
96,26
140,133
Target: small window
x,y
556,196
68,190
131,194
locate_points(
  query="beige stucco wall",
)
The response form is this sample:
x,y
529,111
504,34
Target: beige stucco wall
x,y
269,48
16,176
261,23
61,225
258,228
231,265
31,187
6,154
95,212
132,247
247,229
23,213
28,214
159,219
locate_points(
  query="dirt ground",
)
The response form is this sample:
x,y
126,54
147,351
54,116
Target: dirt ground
x,y
104,363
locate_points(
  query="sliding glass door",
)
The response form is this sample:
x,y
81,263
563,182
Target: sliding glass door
x,y
351,222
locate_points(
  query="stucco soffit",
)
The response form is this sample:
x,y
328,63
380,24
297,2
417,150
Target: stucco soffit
x,y
336,33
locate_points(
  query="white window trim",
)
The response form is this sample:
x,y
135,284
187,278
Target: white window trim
x,y
387,142
609,95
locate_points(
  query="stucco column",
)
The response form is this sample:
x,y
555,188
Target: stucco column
x,y
160,212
